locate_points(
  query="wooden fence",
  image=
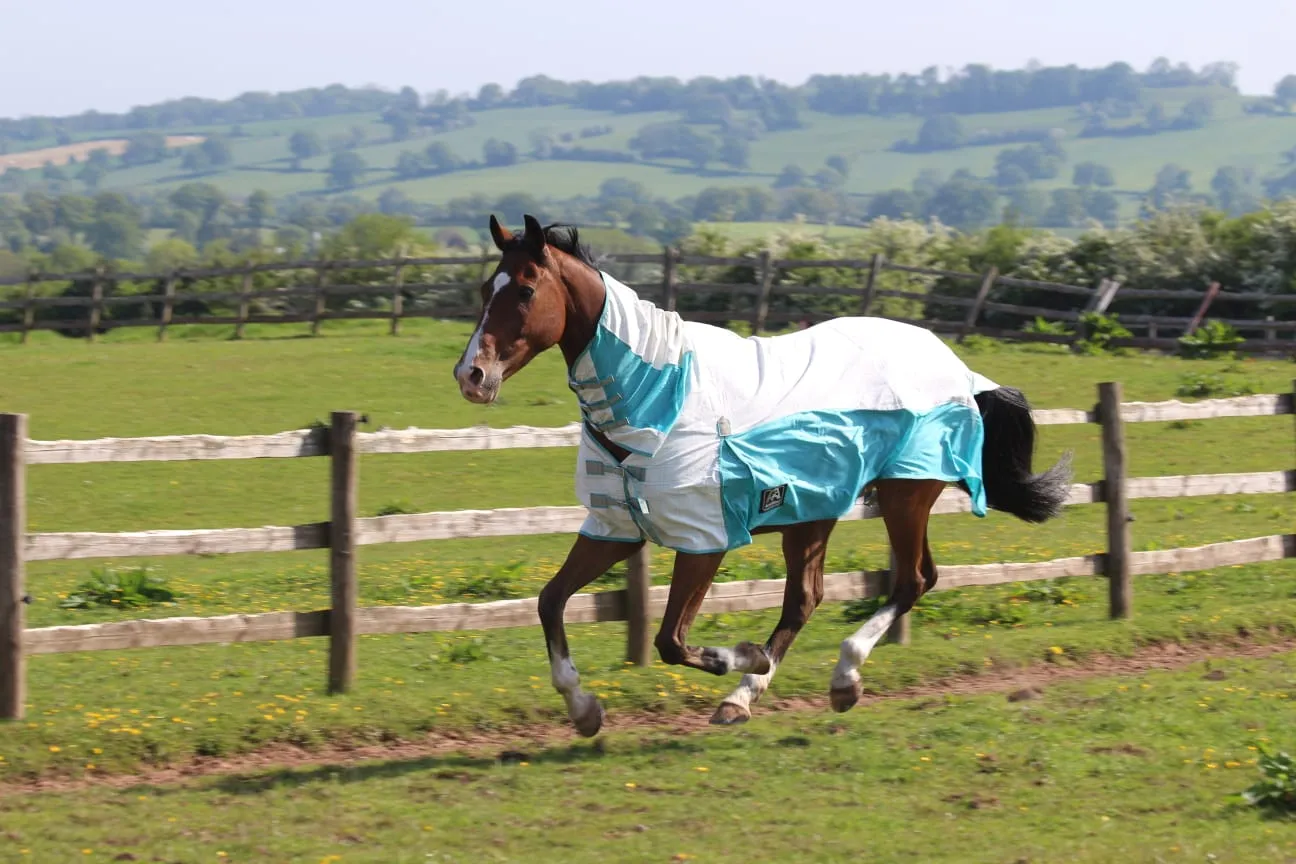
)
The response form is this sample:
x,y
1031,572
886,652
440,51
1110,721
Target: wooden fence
x,y
638,604
401,299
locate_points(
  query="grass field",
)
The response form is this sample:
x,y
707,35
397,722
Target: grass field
x,y
185,701
262,159
1136,768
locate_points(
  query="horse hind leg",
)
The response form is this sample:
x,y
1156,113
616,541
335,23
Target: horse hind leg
x,y
689,583
804,548
905,506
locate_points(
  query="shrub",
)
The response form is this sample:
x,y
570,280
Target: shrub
x,y
119,589
1210,340
1276,788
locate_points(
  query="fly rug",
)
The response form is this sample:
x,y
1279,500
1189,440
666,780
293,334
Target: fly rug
x,y
695,438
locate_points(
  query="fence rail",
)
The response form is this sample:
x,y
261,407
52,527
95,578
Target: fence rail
x,y
637,604
104,308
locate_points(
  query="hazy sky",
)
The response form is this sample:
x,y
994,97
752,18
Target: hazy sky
x,y
74,55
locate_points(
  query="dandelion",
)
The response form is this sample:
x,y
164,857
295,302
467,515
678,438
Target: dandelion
x,y
1056,649
701,768
632,785
54,748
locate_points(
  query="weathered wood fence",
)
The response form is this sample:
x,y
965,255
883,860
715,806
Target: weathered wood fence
x,y
402,298
638,604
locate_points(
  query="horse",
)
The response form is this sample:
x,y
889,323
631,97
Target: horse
x,y
696,439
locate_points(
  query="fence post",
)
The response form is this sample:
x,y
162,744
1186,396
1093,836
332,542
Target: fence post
x,y
168,306
342,546
398,299
1120,590
870,284
13,528
898,632
96,304
1211,293
987,282
244,290
29,306
670,258
638,615
762,298
1271,333
321,279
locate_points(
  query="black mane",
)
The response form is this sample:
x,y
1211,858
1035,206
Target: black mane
x,y
565,238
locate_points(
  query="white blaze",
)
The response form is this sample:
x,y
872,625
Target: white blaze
x,y
474,345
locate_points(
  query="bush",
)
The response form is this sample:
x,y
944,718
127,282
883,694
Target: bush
x,y
1097,331
1212,339
119,589
1276,789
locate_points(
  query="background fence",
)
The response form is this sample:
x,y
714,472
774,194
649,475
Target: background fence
x,y
762,292
637,604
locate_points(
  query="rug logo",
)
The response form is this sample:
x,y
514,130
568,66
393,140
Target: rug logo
x,y
771,498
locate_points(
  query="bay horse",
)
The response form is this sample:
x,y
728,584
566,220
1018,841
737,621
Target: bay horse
x,y
696,439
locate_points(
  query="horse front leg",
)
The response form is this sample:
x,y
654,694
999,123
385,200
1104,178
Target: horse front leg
x,y
587,560
805,546
906,506
689,583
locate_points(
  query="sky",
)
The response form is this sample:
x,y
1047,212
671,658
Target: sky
x,y
75,55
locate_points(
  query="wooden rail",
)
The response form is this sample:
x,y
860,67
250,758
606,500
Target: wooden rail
x,y
637,604
762,289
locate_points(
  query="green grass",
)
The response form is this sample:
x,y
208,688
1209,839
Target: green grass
x,y
197,382
1136,768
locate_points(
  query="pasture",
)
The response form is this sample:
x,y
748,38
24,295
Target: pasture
x,y
102,715
262,159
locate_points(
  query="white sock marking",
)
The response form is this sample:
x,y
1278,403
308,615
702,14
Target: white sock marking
x,y
856,648
567,682
750,688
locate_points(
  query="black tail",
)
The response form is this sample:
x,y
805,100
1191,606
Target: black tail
x,y
1006,460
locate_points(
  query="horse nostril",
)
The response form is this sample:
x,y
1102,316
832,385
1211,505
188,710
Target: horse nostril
x,y
476,376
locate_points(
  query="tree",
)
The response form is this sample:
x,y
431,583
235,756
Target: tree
x,y
259,208
791,177
1196,114
497,153
441,159
115,235
401,124
1285,91
1102,205
894,204
963,202
1066,208
304,144
839,164
940,132
1011,176
91,175
73,213
39,214
194,160
394,202
1235,189
144,149
345,170
490,96
1088,174
735,152
1172,182
217,150
829,178
410,165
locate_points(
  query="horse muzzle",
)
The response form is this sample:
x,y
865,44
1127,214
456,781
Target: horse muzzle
x,y
477,384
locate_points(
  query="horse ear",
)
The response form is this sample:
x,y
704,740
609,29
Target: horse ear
x,y
534,236
501,235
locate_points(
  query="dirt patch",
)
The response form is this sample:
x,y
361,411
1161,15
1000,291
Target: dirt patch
x,y
61,155
514,744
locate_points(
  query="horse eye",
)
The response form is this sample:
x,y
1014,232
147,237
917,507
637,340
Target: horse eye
x,y
526,292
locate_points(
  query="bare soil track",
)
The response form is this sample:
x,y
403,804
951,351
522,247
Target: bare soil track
x,y
514,743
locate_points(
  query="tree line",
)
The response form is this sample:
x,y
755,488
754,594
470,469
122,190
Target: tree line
x,y
975,89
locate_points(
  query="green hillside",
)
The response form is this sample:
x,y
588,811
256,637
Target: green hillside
x,y
968,151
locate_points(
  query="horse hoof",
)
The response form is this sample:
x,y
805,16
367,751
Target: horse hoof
x,y
751,658
730,714
589,721
844,698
